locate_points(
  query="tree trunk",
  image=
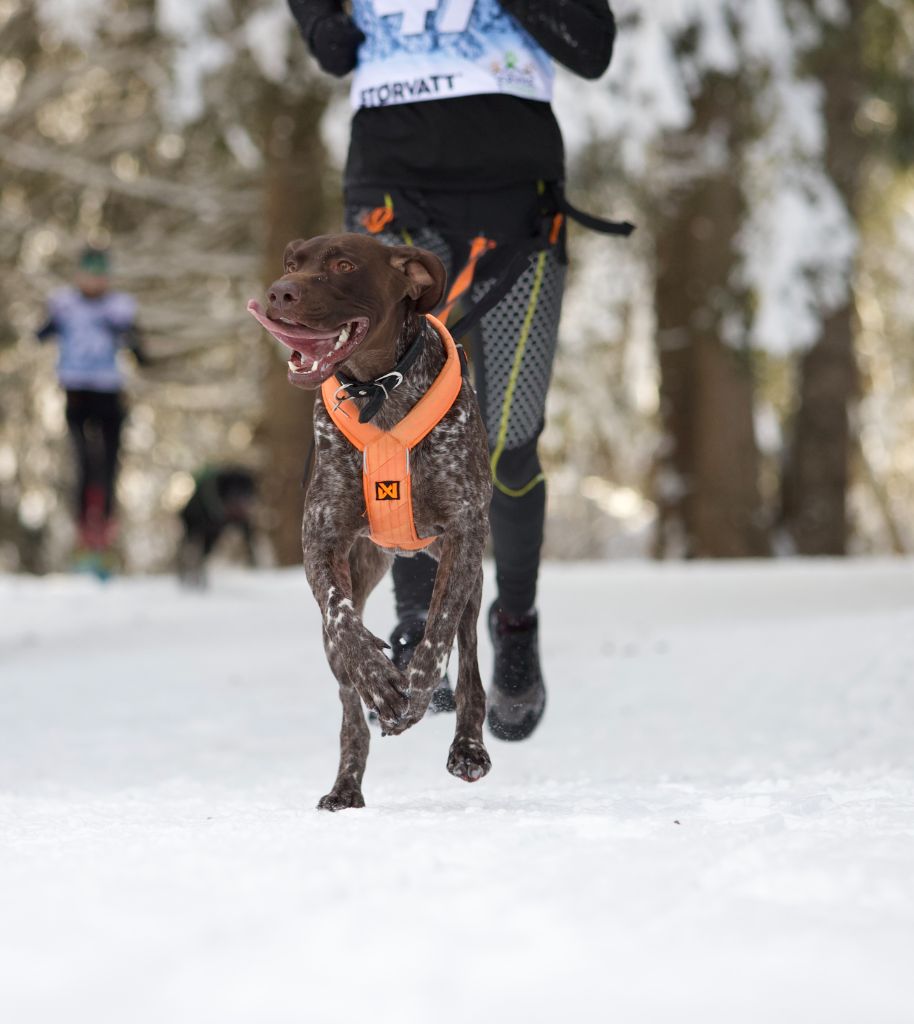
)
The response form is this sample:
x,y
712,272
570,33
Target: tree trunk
x,y
295,207
707,485
816,472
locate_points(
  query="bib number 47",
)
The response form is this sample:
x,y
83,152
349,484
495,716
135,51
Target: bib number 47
x,y
453,15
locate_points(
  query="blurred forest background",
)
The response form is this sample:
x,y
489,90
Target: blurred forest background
x,y
736,380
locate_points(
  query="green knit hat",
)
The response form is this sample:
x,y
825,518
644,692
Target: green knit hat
x,y
95,261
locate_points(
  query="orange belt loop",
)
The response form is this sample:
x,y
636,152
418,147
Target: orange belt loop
x,y
374,221
557,222
479,246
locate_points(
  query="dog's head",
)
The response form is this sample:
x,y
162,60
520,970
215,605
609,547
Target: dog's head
x,y
342,302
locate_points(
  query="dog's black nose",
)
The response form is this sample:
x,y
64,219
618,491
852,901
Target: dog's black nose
x,y
284,293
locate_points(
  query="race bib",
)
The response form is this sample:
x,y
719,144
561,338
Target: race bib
x,y
417,50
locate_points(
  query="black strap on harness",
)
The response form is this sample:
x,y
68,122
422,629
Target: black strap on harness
x,y
504,283
587,220
522,251
377,390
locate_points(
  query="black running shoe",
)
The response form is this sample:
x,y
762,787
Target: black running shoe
x,y
404,640
517,698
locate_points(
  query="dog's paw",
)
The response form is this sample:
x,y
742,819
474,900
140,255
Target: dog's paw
x,y
404,722
384,690
468,759
419,701
339,799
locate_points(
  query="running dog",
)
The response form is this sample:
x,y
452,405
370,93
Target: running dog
x,y
401,464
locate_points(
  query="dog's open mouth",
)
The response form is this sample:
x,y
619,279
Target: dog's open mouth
x,y
315,351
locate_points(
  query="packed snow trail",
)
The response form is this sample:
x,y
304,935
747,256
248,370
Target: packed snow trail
x,y
715,821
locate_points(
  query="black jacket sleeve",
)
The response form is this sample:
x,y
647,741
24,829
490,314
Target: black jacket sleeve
x,y
577,33
330,34
133,340
47,330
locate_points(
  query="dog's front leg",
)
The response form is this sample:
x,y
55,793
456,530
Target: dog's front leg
x,y
355,654
458,567
354,740
468,758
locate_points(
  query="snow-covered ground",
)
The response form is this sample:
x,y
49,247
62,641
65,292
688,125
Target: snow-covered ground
x,y
714,823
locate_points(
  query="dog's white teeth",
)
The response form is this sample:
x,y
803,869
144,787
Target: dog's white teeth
x,y
314,365
343,338
292,366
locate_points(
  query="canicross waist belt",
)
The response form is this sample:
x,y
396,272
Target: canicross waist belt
x,y
386,478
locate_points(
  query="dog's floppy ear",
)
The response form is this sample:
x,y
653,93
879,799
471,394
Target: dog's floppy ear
x,y
425,274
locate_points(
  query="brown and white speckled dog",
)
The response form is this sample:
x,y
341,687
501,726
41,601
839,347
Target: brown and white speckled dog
x,y
348,303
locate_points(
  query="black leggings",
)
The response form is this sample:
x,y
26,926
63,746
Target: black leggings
x,y
94,419
512,351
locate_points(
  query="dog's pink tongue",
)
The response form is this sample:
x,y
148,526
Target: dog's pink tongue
x,y
291,335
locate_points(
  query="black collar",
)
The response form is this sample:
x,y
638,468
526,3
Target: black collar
x,y
378,390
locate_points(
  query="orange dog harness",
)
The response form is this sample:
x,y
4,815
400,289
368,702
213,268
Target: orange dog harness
x,y
385,463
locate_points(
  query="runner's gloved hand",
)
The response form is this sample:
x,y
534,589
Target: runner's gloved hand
x,y
332,36
577,33
335,43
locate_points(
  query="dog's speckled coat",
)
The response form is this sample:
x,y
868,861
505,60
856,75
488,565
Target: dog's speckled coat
x,y
330,281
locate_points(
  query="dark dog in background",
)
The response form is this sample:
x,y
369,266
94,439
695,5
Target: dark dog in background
x,y
346,303
223,498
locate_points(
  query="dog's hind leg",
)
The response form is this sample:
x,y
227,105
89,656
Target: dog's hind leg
x,y
367,564
468,758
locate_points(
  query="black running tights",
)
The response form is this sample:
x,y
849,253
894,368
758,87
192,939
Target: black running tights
x,y
94,419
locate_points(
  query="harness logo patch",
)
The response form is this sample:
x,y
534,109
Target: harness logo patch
x,y
387,490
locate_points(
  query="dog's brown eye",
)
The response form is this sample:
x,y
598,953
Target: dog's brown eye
x,y
290,268
344,266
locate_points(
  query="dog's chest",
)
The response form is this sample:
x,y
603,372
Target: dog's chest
x,y
446,474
